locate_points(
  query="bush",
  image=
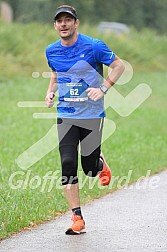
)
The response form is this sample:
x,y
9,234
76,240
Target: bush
x,y
23,47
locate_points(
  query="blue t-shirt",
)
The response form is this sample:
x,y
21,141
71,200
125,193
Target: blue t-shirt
x,y
78,67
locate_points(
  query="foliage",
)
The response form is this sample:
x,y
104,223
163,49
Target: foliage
x,y
22,47
139,13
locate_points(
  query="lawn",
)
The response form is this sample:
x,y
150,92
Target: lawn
x,y
138,144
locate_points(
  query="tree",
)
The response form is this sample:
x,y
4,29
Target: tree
x,y
139,13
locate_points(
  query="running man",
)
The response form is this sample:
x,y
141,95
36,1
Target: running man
x,y
76,61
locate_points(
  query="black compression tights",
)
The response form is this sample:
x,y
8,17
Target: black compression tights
x,y
88,133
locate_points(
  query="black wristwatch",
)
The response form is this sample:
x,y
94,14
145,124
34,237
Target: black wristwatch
x,y
104,89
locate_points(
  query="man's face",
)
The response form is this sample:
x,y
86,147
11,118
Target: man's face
x,y
66,25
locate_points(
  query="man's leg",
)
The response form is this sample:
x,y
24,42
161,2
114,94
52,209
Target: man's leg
x,y
68,147
94,163
90,138
72,195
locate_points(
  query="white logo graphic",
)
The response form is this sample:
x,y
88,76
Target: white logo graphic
x,y
124,106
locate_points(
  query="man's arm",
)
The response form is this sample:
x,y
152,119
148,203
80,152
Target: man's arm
x,y
118,68
49,99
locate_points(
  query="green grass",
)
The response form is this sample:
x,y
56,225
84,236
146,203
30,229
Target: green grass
x,y
138,144
22,47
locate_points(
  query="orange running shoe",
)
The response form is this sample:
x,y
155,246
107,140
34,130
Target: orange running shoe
x,y
105,175
77,227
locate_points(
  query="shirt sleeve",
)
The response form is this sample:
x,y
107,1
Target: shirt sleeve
x,y
49,63
102,53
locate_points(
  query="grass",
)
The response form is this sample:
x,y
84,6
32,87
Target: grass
x,y
138,144
22,47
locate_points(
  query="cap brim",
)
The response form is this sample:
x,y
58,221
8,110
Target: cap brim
x,y
64,11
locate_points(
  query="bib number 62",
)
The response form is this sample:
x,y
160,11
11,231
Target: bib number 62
x,y
74,92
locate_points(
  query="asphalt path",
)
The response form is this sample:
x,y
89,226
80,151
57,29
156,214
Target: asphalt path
x,y
132,219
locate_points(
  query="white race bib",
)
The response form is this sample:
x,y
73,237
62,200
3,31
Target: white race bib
x,y
75,91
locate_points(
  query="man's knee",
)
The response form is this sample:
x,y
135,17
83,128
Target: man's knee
x,y
69,171
91,166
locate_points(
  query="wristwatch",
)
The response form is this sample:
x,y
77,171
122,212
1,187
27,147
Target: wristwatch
x,y
104,89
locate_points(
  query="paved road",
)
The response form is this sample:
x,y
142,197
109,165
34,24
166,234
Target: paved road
x,y
126,220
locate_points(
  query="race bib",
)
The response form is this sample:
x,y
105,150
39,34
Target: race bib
x,y
75,91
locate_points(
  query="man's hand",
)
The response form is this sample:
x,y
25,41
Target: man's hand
x,y
49,99
94,93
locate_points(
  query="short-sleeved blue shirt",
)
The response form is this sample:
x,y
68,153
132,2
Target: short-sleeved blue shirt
x,y
78,67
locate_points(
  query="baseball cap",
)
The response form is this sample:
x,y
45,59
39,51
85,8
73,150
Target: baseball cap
x,y
67,9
